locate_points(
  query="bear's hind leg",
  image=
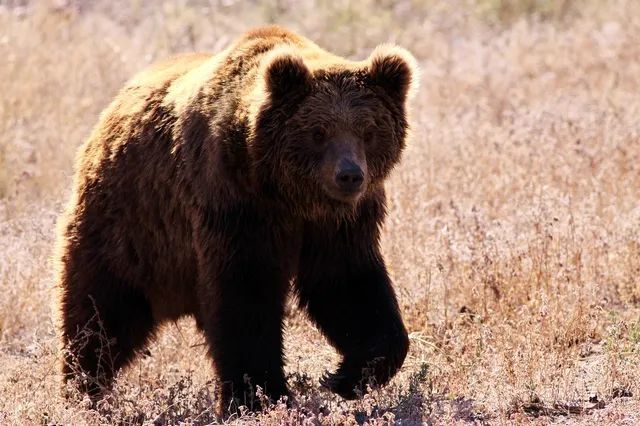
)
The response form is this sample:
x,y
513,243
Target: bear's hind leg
x,y
104,322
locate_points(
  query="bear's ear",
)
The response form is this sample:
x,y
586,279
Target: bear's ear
x,y
395,70
285,74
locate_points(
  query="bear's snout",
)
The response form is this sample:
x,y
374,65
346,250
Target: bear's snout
x,y
349,176
344,171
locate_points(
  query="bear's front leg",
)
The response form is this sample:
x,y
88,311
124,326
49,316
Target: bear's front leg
x,y
243,282
343,283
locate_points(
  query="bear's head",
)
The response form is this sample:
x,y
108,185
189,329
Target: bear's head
x,y
327,132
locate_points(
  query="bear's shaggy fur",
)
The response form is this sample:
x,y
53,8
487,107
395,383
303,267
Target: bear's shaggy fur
x,y
213,184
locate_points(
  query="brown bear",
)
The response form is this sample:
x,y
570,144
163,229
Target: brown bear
x,y
212,185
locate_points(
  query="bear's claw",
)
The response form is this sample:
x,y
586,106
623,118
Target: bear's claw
x,y
338,383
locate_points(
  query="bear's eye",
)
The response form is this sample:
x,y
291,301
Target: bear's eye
x,y
369,136
318,136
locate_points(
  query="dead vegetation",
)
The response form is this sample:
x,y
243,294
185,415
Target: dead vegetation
x,y
514,227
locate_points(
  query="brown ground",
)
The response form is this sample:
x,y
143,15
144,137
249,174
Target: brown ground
x,y
514,227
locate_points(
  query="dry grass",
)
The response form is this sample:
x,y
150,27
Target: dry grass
x,y
514,227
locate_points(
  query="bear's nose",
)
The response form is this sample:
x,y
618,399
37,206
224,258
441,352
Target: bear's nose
x,y
349,177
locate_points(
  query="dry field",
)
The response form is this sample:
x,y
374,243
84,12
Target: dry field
x,y
513,234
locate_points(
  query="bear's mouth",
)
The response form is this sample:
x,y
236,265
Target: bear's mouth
x,y
349,198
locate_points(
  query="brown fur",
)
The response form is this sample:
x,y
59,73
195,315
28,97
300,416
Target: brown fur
x,y
207,186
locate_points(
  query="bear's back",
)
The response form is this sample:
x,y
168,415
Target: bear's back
x,y
160,73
